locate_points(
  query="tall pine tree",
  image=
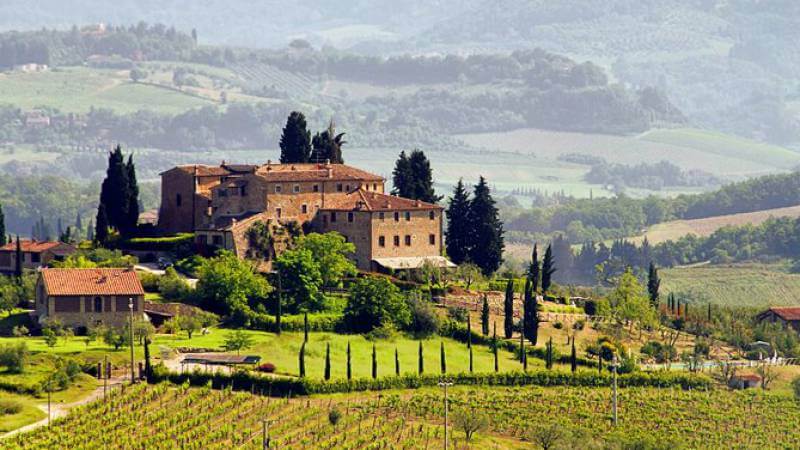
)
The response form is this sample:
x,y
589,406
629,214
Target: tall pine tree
x,y
422,186
548,269
653,285
295,140
508,310
458,228
402,177
486,230
101,229
132,212
114,192
327,146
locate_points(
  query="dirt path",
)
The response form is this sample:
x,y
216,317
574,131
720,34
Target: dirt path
x,y
59,410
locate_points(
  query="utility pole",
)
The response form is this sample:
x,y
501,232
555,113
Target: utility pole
x,y
49,388
445,384
104,373
130,329
265,434
614,366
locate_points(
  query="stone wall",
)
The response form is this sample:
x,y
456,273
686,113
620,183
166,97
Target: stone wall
x,y
82,314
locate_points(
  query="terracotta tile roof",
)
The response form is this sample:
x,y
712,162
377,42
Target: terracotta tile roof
x,y
314,172
747,377
33,246
201,170
375,201
91,282
788,313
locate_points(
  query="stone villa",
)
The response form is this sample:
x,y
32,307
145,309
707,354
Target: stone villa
x,y
220,204
35,254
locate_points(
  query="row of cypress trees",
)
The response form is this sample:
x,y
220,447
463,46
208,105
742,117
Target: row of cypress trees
x,y
297,145
474,229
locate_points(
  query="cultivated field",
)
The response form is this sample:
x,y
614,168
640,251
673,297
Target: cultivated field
x,y
734,285
521,418
688,148
670,231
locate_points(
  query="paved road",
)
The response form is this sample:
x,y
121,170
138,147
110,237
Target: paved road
x,y
154,269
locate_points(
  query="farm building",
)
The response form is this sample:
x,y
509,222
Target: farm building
x,y
88,297
744,381
788,316
220,204
35,254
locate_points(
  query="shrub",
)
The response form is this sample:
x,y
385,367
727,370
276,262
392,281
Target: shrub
x,y
457,313
375,302
266,368
20,331
558,325
382,333
796,388
8,407
172,286
14,357
424,320
149,281
579,324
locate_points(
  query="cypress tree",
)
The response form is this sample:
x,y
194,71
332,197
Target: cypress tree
x,y
131,221
374,362
508,310
421,361
485,316
458,229
279,307
523,357
600,363
494,348
114,192
469,342
396,362
303,360
534,272
442,358
548,269
101,229
18,260
148,369
78,222
349,366
295,140
709,312
3,238
90,231
549,360
305,327
653,285
328,361
530,319
403,177
486,230
422,178
573,359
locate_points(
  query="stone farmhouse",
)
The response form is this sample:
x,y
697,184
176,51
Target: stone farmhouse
x,y
221,203
89,297
788,316
35,254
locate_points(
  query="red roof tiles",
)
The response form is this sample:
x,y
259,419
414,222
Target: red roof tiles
x,y
788,313
314,172
77,282
375,201
31,246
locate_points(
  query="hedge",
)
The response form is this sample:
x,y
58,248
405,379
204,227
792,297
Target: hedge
x,y
267,385
156,244
295,322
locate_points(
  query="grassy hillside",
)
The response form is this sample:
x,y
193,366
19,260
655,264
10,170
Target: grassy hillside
x,y
705,227
735,285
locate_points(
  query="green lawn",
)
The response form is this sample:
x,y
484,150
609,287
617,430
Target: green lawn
x,y
283,352
29,413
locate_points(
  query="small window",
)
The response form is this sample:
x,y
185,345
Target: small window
x,y
315,188
277,188
432,215
350,217
381,216
278,212
374,186
178,200
347,188
397,241
333,217
216,240
35,257
408,240
408,215
432,239
98,305
304,208
382,241
296,188
324,221
397,217
339,187
243,191
223,192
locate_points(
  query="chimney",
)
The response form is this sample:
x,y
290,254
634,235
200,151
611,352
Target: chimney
x,y
294,168
417,203
330,172
327,163
269,161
